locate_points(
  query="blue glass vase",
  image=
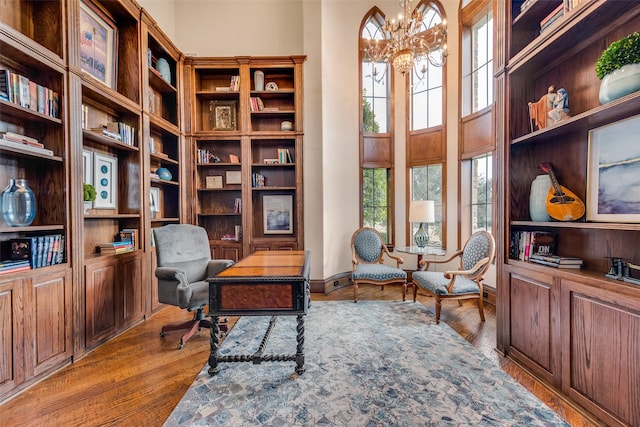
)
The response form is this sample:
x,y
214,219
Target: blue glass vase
x,y
18,204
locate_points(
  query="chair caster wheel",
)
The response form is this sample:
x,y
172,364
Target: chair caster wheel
x,y
162,334
180,346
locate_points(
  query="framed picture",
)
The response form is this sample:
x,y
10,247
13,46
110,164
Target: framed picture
x,y
105,179
614,172
234,177
277,212
222,115
87,167
155,200
98,42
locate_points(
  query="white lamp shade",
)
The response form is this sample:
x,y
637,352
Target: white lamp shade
x,y
422,211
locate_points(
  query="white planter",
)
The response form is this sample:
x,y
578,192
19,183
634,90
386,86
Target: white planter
x,y
621,82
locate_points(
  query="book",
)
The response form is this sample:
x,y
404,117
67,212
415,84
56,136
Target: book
x,y
233,158
15,269
5,85
557,259
26,147
23,91
130,234
555,264
18,137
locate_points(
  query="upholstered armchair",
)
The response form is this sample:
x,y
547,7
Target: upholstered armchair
x,y
465,282
184,264
367,256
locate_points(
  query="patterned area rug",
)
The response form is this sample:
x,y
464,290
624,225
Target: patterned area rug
x,y
374,363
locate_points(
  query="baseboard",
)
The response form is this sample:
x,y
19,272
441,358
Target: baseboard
x,y
489,295
332,283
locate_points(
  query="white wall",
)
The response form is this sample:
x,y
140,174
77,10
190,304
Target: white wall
x,y
327,32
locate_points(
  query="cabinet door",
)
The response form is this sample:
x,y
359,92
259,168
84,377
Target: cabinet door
x,y
532,324
601,349
11,336
47,321
100,300
227,251
130,270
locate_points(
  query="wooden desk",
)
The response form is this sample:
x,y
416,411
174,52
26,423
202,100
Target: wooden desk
x,y
267,283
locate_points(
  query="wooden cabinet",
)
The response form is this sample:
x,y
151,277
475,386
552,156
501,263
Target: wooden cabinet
x,y
36,336
114,296
247,144
572,328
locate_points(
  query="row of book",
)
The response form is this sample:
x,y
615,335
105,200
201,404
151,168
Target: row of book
x,y
37,251
26,93
523,244
256,103
23,142
257,180
237,205
119,131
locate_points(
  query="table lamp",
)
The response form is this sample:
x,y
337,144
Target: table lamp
x,y
422,211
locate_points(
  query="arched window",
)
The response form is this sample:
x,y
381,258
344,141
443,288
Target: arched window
x,y
376,131
426,79
426,137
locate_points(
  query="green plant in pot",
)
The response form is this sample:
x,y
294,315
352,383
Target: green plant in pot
x,y
88,195
619,68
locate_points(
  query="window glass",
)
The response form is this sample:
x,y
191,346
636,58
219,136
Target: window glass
x,y
375,200
482,62
481,193
375,82
426,184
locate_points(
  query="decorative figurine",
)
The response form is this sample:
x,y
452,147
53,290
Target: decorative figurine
x,y
621,270
538,111
560,109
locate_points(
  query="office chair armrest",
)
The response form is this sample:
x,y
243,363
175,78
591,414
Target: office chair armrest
x,y
170,273
215,266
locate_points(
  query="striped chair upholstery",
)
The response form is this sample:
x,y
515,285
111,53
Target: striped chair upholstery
x,y
368,251
464,283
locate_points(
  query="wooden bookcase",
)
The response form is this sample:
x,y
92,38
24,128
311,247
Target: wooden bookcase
x,y
163,140
109,291
576,329
43,296
236,145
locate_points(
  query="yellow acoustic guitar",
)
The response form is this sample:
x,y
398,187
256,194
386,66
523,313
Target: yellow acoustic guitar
x,y
562,204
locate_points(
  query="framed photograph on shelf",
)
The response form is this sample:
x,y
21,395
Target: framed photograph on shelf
x,y
234,177
222,115
277,212
105,180
613,172
98,44
154,202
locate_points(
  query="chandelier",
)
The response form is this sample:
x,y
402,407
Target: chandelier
x,y
410,40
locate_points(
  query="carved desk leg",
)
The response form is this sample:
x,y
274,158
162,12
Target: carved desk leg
x,y
214,342
300,345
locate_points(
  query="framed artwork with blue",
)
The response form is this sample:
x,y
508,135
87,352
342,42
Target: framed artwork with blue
x,y
105,180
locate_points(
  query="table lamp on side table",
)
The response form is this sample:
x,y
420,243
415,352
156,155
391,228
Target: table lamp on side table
x,y
422,211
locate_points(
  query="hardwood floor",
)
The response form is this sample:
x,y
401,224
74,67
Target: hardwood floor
x,y
137,378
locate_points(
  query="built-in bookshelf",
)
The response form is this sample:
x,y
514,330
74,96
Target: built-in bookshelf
x,y
34,100
550,319
247,142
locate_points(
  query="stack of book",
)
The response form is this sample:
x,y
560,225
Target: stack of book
x,y
116,247
13,266
556,261
23,142
551,18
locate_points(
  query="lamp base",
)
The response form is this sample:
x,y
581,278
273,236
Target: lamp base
x,y
421,238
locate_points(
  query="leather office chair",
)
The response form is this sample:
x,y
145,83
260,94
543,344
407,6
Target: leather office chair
x,y
367,257
466,282
184,264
